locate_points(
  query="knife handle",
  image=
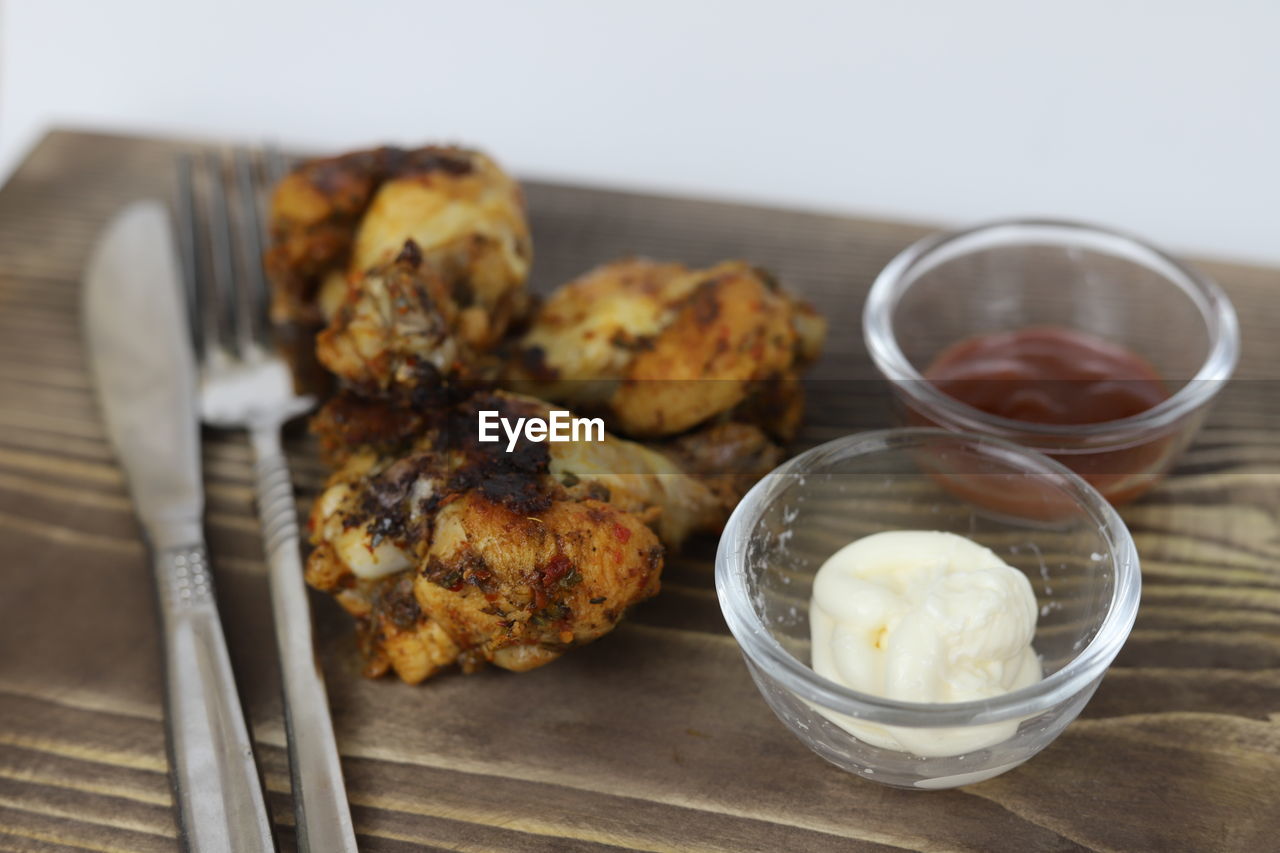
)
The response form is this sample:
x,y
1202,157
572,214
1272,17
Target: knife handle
x,y
215,779
321,813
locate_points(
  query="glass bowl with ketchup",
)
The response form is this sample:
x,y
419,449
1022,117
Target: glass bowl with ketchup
x,y
1083,343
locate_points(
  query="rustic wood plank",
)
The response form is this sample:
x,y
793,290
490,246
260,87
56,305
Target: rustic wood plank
x,y
653,738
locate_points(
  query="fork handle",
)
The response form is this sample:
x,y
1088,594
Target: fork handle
x,y
322,815
215,779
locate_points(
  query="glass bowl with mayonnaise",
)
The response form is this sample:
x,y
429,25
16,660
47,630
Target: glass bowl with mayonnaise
x,y
908,630
1085,343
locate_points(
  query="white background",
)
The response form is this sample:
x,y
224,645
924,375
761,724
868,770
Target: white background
x,y
1161,117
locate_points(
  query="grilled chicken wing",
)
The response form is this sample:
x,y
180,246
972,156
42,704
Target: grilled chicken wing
x,y
662,348
403,329
333,219
449,550
656,348
452,550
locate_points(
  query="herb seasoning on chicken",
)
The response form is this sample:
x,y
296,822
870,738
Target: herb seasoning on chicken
x,y
452,550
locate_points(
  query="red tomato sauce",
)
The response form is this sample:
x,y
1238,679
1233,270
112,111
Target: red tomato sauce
x,y
1048,375
1057,376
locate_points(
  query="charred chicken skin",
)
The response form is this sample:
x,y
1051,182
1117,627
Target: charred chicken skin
x,y
403,329
332,219
451,550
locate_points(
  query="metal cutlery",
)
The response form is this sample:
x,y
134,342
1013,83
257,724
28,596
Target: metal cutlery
x,y
246,384
141,360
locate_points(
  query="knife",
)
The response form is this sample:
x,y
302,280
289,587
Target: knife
x,y
142,362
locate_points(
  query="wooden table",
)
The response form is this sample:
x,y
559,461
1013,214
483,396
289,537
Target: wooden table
x,y
654,737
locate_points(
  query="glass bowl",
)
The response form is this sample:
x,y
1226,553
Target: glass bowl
x,y
1028,273
1082,566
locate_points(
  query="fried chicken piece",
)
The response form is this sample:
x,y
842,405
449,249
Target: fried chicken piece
x,y
656,348
683,486
349,423
448,549
404,329
332,219
661,348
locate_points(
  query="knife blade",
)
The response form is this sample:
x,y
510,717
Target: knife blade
x,y
143,366
144,369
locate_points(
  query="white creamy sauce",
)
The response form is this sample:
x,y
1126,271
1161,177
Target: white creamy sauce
x,y
923,616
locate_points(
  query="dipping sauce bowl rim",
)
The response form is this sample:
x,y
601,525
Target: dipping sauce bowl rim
x,y
1214,306
763,649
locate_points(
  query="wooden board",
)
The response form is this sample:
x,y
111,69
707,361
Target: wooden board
x,y
653,738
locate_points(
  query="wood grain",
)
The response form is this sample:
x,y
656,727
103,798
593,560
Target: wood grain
x,y
653,738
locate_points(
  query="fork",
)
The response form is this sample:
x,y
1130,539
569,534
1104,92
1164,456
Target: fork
x,y
246,384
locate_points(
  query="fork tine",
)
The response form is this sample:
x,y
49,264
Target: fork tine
x,y
188,245
275,162
195,194
253,293
221,217
231,326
